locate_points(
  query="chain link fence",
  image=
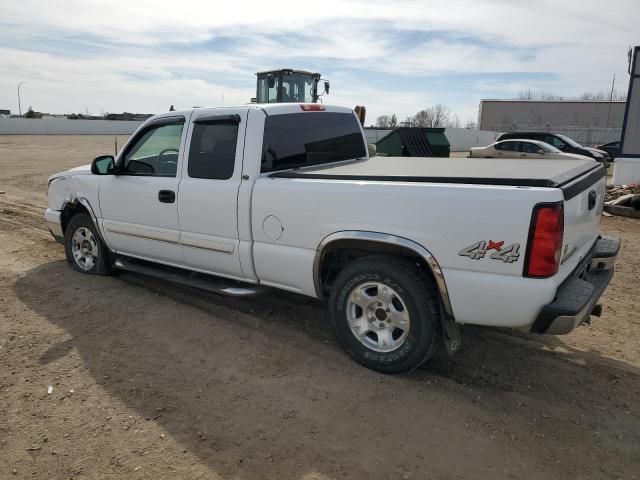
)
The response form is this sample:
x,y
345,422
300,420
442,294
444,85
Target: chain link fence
x,y
587,136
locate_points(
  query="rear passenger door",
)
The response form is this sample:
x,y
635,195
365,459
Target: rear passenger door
x,y
208,197
508,149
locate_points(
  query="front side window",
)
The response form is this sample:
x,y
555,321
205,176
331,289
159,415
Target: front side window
x,y
310,138
154,152
212,153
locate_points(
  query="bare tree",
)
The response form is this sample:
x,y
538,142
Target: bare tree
x,y
603,96
409,122
421,119
393,121
432,117
437,116
383,121
454,121
531,94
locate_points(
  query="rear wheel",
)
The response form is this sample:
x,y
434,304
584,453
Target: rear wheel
x,y
385,313
85,251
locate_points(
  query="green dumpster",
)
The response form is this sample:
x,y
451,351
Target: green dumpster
x,y
414,142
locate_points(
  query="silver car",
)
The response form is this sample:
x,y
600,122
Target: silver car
x,y
523,148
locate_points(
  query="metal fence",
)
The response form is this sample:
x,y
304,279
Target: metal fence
x,y
63,126
588,136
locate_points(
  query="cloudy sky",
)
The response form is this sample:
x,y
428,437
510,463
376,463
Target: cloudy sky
x,y
394,56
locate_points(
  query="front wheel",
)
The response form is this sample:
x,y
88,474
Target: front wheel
x,y
385,312
85,251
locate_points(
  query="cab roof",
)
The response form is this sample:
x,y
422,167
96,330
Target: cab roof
x,y
303,72
268,108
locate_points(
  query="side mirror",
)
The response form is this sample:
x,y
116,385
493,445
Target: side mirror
x,y
541,152
103,165
326,87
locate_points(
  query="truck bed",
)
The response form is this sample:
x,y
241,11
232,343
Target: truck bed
x,y
483,171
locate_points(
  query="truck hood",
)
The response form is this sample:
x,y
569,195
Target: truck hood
x,y
81,170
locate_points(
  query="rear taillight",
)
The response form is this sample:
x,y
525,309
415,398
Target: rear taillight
x,y
545,240
312,107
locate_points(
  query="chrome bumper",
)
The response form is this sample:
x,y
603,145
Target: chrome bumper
x,y
54,224
578,295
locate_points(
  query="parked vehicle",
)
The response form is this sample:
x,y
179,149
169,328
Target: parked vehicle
x,y
561,142
520,148
612,148
403,249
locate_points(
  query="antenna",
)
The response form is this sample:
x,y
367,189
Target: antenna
x,y
611,98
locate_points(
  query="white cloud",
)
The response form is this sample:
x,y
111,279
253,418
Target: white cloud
x,y
572,45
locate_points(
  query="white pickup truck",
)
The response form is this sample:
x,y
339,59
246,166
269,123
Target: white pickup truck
x,y
405,250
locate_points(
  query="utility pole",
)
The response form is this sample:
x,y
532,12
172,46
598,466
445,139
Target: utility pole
x,y
20,106
611,98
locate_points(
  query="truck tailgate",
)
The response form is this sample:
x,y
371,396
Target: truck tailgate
x,y
583,202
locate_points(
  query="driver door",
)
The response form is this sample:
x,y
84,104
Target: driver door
x,y
138,204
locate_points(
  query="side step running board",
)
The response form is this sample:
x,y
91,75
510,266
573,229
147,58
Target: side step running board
x,y
188,278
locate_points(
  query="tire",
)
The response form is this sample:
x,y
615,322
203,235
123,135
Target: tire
x,y
83,247
392,344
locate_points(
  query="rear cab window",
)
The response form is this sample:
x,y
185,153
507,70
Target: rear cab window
x,y
310,138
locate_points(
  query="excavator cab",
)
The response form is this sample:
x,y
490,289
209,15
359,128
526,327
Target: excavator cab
x,y
286,86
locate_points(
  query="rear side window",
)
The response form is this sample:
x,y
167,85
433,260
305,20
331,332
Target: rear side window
x,y
310,138
508,146
213,150
527,147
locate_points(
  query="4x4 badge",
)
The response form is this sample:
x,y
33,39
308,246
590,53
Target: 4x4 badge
x,y
478,251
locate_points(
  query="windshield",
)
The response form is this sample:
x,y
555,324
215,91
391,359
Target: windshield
x,y
550,148
283,88
297,88
571,142
312,138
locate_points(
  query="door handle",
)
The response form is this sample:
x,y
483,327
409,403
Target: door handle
x,y
592,199
167,196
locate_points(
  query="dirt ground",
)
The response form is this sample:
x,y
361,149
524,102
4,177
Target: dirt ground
x,y
150,380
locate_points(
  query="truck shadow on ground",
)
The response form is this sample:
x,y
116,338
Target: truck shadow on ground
x,y
241,382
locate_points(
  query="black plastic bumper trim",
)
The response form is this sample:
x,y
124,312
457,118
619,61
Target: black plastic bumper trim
x,y
579,293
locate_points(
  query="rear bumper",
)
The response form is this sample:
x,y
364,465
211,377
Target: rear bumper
x,y
54,224
578,295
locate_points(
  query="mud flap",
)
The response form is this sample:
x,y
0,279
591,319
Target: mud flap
x,y
451,333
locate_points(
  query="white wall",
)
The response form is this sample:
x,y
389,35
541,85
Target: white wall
x,y
63,126
462,139
502,114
